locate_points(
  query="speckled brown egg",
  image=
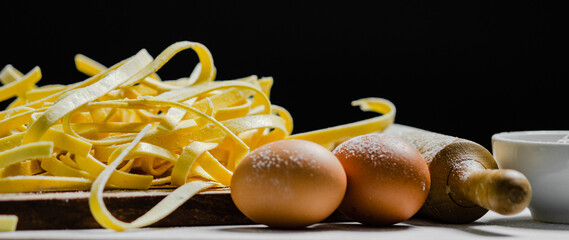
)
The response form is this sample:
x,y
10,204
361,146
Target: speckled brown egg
x,y
388,179
288,184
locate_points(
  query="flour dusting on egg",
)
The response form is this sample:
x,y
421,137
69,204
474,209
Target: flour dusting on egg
x,y
364,145
288,183
388,180
275,157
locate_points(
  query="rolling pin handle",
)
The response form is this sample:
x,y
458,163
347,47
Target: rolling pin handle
x,y
504,191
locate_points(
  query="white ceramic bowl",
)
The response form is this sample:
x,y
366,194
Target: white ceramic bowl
x,y
544,158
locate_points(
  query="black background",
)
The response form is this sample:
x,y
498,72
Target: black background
x,y
462,68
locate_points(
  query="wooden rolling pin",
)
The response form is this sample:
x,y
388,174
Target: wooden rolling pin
x,y
465,179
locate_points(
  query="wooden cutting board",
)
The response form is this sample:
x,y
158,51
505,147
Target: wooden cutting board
x,y
70,210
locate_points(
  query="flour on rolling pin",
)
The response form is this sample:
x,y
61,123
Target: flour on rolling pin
x,y
465,179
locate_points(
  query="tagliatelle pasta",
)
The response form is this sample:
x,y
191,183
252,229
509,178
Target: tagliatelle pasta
x,y
8,223
126,128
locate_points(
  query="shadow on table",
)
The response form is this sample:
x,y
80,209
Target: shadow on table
x,y
321,227
522,222
527,222
475,228
467,228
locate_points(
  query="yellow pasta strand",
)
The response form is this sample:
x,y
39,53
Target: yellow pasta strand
x,y
25,152
125,128
84,95
25,168
207,72
120,179
330,137
215,169
42,184
67,142
186,160
19,86
9,74
57,168
11,141
161,210
88,66
8,223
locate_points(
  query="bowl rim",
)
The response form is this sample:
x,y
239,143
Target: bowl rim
x,y
507,137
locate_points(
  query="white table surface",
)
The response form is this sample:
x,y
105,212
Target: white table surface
x,y
491,226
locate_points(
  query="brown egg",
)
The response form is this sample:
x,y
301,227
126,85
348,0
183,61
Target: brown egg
x,y
288,184
388,179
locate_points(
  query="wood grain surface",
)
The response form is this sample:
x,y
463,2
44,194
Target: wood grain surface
x,y
70,210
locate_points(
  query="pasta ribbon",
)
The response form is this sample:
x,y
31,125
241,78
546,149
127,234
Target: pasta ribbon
x,y
124,127
331,137
42,183
8,223
84,95
19,86
25,152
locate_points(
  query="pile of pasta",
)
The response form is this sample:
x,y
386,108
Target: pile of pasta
x,y
124,127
